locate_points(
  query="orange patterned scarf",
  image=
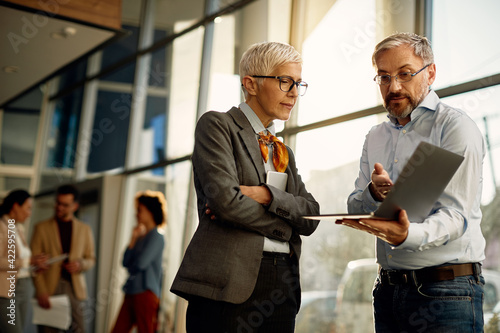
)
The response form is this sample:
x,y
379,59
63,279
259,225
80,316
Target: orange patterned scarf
x,y
280,153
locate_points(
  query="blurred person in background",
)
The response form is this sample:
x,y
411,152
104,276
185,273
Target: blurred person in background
x,y
15,256
64,234
143,261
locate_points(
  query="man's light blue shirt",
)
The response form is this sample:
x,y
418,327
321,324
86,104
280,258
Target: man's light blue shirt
x,y
451,233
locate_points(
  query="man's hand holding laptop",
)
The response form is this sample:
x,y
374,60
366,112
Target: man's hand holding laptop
x,y
392,232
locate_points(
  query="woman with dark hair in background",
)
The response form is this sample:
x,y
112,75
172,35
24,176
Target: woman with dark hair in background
x,y
15,261
143,260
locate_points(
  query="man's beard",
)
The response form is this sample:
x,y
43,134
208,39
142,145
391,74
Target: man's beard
x,y
412,103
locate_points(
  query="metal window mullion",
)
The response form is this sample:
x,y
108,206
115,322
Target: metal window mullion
x,y
140,89
84,143
423,18
206,61
46,116
43,129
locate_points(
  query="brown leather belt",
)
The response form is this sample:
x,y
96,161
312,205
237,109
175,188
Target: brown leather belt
x,y
431,274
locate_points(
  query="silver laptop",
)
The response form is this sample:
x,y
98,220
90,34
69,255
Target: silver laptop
x,y
421,182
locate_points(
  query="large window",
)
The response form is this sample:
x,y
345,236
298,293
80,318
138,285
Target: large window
x,y
19,129
115,52
110,131
64,131
337,59
183,101
463,37
463,53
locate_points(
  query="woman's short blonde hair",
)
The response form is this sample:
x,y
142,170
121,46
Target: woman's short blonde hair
x,y
263,58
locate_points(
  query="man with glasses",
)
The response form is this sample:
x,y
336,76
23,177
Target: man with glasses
x,y
60,235
430,273
240,271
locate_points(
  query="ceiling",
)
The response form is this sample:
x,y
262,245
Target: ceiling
x,y
36,45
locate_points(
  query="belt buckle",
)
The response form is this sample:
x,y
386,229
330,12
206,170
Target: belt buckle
x,y
406,278
393,273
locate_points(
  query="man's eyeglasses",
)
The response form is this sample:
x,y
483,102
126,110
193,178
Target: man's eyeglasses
x,y
287,83
384,80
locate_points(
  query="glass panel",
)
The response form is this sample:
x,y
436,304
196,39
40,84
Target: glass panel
x,y
73,74
61,144
126,46
463,53
18,136
329,174
115,52
160,71
312,159
224,87
19,123
177,189
52,178
110,131
183,95
13,183
337,60
152,138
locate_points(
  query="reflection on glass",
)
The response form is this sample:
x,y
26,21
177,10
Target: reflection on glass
x,y
224,86
64,127
160,71
152,146
18,136
329,171
108,141
73,75
12,183
354,312
332,148
183,95
119,50
177,180
337,61
328,160
463,53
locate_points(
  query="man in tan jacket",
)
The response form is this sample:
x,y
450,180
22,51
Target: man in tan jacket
x,y
64,234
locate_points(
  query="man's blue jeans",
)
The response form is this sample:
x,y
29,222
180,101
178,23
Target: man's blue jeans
x,y
445,306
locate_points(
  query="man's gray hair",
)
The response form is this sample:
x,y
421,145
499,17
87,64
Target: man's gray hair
x,y
421,46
